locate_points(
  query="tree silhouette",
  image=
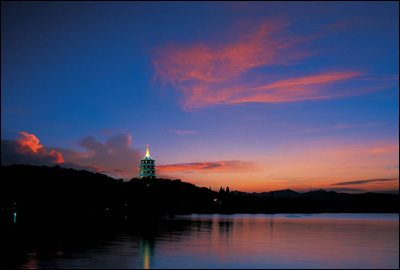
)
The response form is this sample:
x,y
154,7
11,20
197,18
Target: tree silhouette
x,y
35,192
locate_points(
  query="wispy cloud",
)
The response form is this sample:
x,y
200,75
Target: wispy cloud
x,y
206,72
344,189
339,126
238,70
290,147
223,166
220,62
384,149
359,182
183,132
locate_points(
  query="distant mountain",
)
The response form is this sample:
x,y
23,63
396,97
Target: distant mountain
x,y
320,194
286,193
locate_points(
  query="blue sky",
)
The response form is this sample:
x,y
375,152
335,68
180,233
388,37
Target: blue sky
x,y
257,82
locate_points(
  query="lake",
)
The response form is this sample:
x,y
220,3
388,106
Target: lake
x,y
210,241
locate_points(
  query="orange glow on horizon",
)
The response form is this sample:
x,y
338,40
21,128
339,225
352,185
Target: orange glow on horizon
x,y
326,164
300,167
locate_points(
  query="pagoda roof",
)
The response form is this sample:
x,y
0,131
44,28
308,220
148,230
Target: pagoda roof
x,y
147,158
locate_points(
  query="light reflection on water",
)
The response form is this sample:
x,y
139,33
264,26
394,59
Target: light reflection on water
x,y
241,241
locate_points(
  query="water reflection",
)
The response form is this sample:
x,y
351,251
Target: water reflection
x,y
31,262
220,241
146,247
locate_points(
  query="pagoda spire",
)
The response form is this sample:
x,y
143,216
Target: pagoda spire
x,y
147,151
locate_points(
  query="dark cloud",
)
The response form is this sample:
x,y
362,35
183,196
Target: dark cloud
x,y
93,146
343,189
211,166
9,154
13,153
114,153
224,166
359,182
393,191
118,142
114,157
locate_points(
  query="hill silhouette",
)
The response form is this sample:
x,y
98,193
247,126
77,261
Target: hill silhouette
x,y
36,191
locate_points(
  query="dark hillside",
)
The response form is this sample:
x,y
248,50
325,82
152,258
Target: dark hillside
x,y
57,192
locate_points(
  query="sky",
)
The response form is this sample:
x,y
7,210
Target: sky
x,y
257,96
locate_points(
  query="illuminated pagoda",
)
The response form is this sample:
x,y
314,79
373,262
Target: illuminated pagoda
x,y
147,166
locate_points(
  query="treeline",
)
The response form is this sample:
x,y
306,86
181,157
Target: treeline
x,y
60,192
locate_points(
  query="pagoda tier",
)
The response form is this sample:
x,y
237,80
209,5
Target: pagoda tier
x,y
147,166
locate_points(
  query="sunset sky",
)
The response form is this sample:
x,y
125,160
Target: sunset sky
x,y
257,96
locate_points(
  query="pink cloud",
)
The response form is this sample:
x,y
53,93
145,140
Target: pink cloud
x,y
182,132
384,148
295,89
28,144
202,71
207,63
57,156
230,72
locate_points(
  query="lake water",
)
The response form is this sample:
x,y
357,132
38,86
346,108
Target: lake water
x,y
216,241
